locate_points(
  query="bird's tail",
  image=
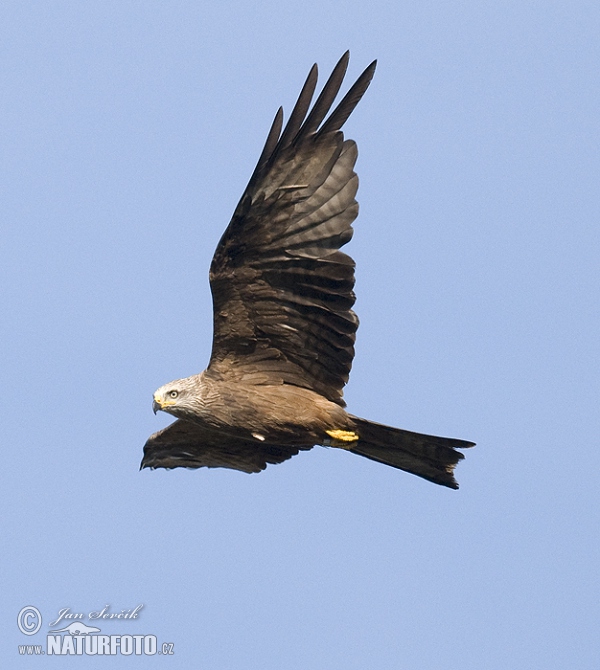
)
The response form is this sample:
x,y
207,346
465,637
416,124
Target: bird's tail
x,y
427,456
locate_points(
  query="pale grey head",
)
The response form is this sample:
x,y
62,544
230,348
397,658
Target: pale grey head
x,y
181,398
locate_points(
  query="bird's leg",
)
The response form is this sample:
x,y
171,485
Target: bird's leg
x,y
344,439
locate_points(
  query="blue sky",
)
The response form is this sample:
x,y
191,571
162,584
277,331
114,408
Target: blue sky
x,y
129,130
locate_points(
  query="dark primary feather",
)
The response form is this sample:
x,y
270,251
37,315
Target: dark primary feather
x,y
326,98
282,290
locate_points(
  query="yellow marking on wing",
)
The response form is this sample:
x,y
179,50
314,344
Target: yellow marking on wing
x,y
292,187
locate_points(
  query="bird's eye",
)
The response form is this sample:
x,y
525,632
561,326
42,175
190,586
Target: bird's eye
x,y
173,394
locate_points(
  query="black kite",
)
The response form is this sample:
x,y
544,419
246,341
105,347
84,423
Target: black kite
x,y
284,329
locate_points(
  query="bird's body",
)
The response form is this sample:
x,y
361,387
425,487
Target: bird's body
x,y
284,329
273,414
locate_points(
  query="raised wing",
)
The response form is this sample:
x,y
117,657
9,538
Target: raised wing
x,y
187,445
282,290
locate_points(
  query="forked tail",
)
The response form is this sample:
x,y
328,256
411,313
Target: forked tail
x,y
427,456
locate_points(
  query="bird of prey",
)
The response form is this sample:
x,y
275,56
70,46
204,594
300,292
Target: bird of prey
x,y
284,329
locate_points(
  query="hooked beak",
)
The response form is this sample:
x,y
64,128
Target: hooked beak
x,y
160,402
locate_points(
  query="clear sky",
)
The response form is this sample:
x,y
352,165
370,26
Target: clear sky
x,y
129,130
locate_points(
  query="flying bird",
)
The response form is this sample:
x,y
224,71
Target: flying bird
x,y
284,329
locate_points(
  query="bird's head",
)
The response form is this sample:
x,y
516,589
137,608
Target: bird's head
x,y
177,397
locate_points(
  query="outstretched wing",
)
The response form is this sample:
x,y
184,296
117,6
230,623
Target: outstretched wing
x,y
187,445
282,290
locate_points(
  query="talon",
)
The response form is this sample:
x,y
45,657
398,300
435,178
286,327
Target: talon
x,y
341,438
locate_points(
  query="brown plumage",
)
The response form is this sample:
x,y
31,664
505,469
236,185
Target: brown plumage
x,y
284,329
